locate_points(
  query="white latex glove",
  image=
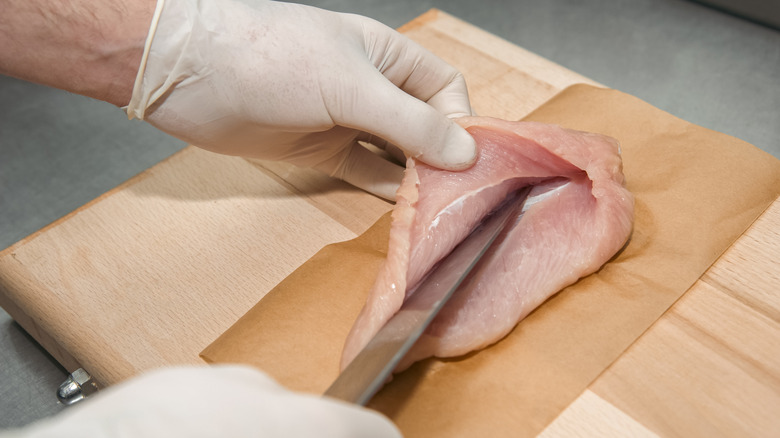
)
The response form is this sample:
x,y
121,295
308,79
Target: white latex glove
x,y
219,401
280,81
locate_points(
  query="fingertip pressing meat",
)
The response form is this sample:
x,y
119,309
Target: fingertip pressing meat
x,y
578,215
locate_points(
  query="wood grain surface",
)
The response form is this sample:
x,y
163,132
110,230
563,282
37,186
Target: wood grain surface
x,y
709,366
152,272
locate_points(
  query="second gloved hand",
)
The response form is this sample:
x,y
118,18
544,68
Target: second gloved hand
x,y
280,81
215,401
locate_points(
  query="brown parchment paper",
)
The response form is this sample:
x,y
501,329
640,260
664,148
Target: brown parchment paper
x,y
696,192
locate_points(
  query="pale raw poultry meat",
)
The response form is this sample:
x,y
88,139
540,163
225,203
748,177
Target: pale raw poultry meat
x,y
577,216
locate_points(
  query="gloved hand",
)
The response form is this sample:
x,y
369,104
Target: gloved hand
x,y
218,401
280,81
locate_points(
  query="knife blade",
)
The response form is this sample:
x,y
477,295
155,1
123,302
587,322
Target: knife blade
x,y
369,370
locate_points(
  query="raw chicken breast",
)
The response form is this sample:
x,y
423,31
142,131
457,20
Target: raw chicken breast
x,y
577,216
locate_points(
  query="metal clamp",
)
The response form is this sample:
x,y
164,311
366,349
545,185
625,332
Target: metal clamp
x,y
78,386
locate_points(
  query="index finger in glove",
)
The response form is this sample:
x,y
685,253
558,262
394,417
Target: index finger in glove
x,y
366,170
416,70
375,105
404,95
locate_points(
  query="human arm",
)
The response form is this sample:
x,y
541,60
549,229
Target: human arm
x,y
300,84
260,79
85,47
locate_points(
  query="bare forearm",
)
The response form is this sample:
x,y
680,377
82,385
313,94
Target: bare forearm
x,y
87,47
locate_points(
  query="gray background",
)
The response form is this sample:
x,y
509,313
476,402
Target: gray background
x,y
59,151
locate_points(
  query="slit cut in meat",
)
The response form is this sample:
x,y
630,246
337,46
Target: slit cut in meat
x,y
577,216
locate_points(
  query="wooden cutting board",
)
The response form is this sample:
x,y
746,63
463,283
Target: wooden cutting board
x,y
152,272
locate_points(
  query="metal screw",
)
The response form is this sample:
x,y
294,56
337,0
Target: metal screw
x,y
78,386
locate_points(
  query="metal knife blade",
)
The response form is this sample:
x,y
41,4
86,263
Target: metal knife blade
x,y
366,374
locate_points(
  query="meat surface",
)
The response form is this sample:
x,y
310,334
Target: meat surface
x,y
577,216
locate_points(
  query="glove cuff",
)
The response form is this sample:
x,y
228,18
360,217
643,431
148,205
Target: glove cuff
x,y
139,100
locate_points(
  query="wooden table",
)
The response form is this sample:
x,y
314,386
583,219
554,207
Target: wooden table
x,y
150,273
